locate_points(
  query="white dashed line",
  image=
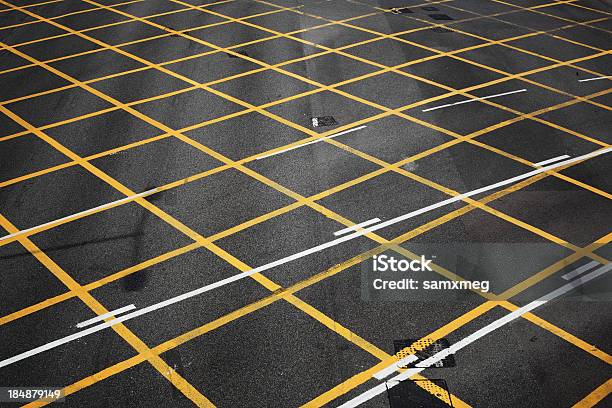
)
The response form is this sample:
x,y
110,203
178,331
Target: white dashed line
x,y
473,100
312,142
580,271
105,315
554,159
594,79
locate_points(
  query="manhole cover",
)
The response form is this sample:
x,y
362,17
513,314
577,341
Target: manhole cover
x,y
323,121
418,394
426,348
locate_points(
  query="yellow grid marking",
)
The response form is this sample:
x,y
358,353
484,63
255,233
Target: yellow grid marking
x,y
73,13
197,145
259,278
138,345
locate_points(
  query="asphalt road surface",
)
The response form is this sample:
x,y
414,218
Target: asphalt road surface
x,y
199,201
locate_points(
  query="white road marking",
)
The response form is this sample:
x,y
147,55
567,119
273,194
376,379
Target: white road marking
x,y
594,79
312,142
367,395
105,315
474,100
81,213
354,227
385,372
554,159
287,259
580,271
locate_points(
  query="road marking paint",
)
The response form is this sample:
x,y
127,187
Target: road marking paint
x,y
81,213
554,159
594,79
287,259
105,315
473,100
354,227
312,142
580,271
385,372
369,394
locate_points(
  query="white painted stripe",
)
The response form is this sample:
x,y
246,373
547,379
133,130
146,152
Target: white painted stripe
x,y
312,142
554,159
287,259
105,315
354,227
473,100
367,395
594,79
387,371
580,271
81,213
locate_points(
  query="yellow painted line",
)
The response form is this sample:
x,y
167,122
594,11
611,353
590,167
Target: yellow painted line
x,y
318,278
94,285
161,366
591,8
36,307
36,174
33,5
596,396
570,338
